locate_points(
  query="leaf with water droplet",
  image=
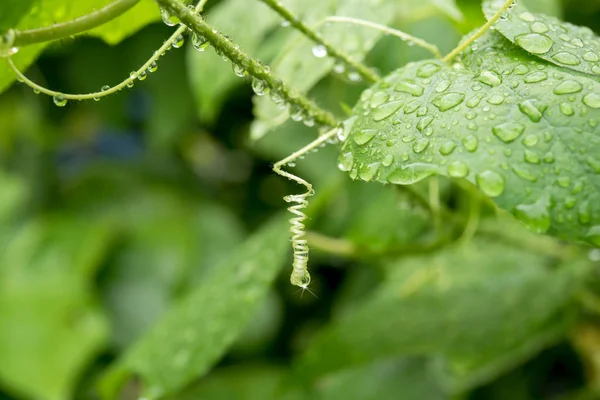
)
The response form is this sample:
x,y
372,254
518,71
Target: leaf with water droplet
x,y
519,150
558,42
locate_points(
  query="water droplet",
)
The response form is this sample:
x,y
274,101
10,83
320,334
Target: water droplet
x,y
387,160
60,100
104,88
563,181
178,42
239,70
131,80
532,157
594,164
532,110
584,214
319,51
428,70
447,148
410,88
411,107
442,86
199,42
530,140
564,57
363,136
527,17
534,43
536,216
168,18
496,99
592,100
490,78
536,77
142,76
447,101
153,67
386,110
539,27
590,56
259,86
548,158
424,123
491,183
458,169
524,173
420,145
367,172
470,142
567,109
570,202
521,69
346,161
412,173
567,87
508,131
378,99
593,235
475,100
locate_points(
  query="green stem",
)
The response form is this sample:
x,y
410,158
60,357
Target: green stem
x,y
479,32
73,27
254,67
362,69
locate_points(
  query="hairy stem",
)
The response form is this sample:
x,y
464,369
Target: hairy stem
x,y
390,31
479,32
359,67
254,67
73,27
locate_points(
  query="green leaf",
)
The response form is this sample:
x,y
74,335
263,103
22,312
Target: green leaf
x,y
471,305
194,334
48,12
238,19
11,12
50,324
524,131
548,38
239,382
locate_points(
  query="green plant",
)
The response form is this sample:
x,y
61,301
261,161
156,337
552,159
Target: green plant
x,y
461,292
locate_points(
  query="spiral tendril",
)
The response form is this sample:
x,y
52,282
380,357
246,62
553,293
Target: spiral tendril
x,y
300,275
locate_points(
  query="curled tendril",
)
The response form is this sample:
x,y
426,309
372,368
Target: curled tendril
x,y
300,275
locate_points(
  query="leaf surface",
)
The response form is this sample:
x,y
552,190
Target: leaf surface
x,y
192,336
561,43
526,132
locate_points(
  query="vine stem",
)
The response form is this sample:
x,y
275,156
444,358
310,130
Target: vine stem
x,y
479,32
394,32
364,71
72,27
254,67
96,95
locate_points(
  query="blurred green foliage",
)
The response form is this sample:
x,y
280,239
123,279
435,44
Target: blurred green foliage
x,y
144,251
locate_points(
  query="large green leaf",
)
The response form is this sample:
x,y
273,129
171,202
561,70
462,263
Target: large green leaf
x,y
238,19
549,38
296,64
524,131
50,323
48,12
479,307
192,336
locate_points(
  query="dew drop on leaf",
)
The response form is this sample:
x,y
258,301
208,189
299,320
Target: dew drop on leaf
x,y
346,161
568,87
447,148
530,108
386,110
535,43
536,216
447,101
428,70
592,100
536,77
458,169
491,183
530,140
412,173
539,27
420,145
508,131
566,58
593,235
363,136
409,87
490,78
470,142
